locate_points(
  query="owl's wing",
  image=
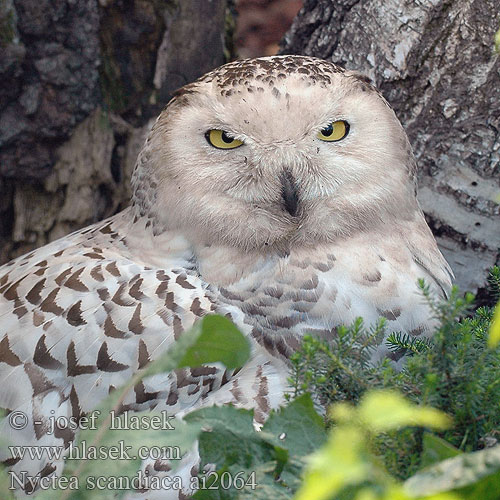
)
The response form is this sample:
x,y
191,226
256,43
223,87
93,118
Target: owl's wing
x,y
426,255
77,320
79,323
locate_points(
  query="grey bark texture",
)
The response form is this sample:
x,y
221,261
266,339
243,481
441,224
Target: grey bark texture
x,y
435,64
81,80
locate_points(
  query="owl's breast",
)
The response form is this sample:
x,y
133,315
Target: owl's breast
x,y
283,298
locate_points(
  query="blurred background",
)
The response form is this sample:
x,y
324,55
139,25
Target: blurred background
x,y
261,24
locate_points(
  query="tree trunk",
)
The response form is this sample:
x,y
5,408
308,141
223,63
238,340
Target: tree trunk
x,y
81,79
434,62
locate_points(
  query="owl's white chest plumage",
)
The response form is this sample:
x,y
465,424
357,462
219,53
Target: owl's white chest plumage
x,y
283,296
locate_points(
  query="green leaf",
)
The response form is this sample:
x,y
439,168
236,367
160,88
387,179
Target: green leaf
x,y
385,410
275,455
435,450
231,443
494,337
229,436
213,339
296,427
217,340
336,465
471,475
295,431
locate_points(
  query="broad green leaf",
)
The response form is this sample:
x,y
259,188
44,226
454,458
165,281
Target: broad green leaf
x,y
212,339
296,427
296,431
275,455
267,487
218,340
381,411
472,476
231,443
227,417
494,337
435,450
230,439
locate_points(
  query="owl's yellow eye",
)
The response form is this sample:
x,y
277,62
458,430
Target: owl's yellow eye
x,y
336,131
219,139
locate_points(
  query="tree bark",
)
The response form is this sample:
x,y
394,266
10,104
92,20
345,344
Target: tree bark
x,y
81,80
434,62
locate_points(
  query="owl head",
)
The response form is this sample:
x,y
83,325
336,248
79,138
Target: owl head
x,y
275,151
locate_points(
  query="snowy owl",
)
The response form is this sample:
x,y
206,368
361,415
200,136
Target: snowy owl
x,y
280,192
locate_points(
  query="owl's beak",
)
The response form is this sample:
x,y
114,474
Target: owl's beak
x,y
289,193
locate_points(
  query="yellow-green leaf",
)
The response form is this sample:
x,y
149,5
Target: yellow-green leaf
x,y
396,492
382,411
337,464
343,413
494,337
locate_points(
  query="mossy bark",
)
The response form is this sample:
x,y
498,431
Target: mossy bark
x,y
81,81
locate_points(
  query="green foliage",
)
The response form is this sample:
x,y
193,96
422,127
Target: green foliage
x,y
346,466
435,449
336,371
270,461
293,457
494,282
403,344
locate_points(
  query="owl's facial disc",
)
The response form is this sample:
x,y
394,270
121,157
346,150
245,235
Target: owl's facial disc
x,y
289,192
274,151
